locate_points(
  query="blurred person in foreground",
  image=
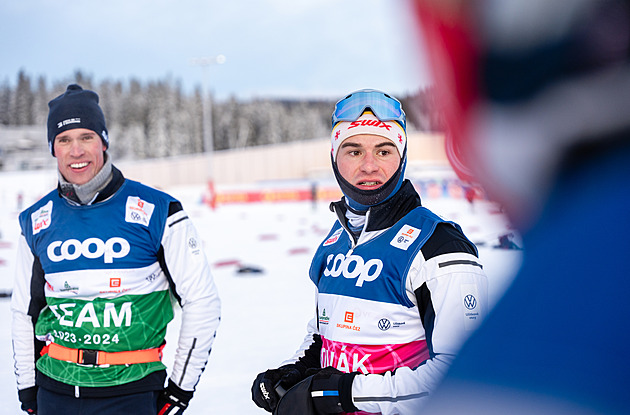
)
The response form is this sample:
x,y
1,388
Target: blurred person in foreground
x,y
101,259
538,106
398,288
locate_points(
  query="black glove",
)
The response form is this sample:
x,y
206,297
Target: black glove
x,y
28,398
328,391
173,400
331,391
270,385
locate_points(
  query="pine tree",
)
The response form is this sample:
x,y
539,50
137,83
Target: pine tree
x,y
22,103
40,102
5,103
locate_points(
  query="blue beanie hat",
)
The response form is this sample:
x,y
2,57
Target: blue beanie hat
x,y
75,108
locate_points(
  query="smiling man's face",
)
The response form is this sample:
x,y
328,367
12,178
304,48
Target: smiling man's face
x,y
79,155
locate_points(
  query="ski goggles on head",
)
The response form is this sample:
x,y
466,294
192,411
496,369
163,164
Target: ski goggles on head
x,y
383,106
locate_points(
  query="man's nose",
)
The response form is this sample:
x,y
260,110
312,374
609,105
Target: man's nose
x,y
76,149
369,163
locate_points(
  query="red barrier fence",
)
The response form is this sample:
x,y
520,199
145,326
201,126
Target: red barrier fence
x,y
428,189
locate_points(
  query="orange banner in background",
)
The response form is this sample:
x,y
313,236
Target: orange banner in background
x,y
275,195
428,189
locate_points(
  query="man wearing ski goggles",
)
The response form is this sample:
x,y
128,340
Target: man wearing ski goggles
x,y
412,289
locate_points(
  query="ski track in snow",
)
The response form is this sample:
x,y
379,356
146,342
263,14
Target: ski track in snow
x,y
264,314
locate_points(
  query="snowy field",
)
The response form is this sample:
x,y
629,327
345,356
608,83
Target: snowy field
x,y
264,314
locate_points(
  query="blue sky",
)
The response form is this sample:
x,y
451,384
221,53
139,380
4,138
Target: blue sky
x,y
278,48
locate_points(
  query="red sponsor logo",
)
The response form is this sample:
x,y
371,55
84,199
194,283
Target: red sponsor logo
x,y
41,224
370,123
349,317
114,282
334,237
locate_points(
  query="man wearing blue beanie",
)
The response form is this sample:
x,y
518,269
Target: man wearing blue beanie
x,y
398,288
99,260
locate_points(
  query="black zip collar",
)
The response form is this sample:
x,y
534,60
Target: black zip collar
x,y
386,214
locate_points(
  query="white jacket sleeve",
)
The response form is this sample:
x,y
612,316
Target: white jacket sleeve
x,y
194,287
457,290
22,330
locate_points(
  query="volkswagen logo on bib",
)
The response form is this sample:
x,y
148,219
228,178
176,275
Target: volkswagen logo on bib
x,y
470,302
384,324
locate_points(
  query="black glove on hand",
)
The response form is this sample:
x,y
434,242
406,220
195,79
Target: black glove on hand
x,y
173,400
331,391
264,389
28,398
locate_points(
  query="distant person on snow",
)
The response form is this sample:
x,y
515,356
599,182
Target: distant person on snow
x,y
99,259
398,288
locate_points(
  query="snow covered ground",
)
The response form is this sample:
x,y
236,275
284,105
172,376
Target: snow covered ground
x,y
264,314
